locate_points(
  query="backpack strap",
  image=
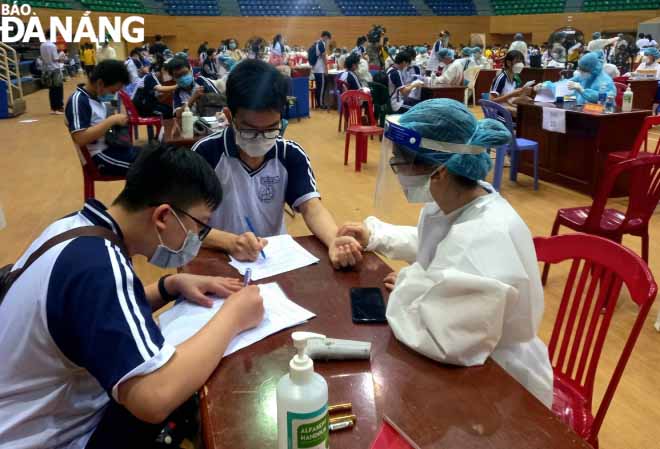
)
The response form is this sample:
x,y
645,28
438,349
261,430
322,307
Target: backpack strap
x,y
84,231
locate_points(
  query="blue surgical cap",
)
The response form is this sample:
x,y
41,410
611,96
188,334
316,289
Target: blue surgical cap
x,y
596,35
652,52
591,63
467,51
446,53
447,120
518,37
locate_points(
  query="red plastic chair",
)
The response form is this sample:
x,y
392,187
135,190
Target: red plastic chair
x,y
91,173
641,139
352,103
134,119
620,89
643,197
599,268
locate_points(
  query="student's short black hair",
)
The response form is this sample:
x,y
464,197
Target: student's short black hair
x,y
167,174
256,85
641,35
111,72
351,60
159,37
361,40
513,56
402,57
326,34
176,63
136,51
210,51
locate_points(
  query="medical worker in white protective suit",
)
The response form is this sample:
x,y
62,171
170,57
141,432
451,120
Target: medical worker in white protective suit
x,y
473,289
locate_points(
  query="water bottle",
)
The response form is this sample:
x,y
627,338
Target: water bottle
x,y
602,94
609,104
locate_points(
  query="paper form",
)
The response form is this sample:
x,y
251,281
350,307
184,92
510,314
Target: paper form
x,y
185,319
283,254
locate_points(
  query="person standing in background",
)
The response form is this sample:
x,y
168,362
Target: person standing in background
x,y
277,55
52,75
158,48
105,52
321,68
88,58
520,45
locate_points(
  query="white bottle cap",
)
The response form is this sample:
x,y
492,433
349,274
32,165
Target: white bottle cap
x,y
301,365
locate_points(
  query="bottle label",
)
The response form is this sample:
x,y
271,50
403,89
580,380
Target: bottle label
x,y
308,430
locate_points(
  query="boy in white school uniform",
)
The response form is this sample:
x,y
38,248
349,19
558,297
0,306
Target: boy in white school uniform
x,y
261,171
84,364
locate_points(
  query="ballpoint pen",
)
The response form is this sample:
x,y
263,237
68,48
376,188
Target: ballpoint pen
x,y
251,228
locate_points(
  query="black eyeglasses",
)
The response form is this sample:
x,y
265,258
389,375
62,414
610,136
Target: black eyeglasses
x,y
205,228
251,134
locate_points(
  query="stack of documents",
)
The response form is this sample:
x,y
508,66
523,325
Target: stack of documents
x,y
283,254
546,95
185,319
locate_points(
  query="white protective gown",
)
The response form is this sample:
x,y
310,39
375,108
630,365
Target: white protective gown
x,y
473,290
454,73
645,66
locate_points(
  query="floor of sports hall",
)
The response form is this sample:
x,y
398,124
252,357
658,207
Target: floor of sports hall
x,y
41,181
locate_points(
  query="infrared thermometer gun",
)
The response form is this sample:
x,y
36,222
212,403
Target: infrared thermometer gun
x,y
334,349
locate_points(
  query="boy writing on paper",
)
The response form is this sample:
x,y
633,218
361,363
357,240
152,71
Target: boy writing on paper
x,y
84,365
260,171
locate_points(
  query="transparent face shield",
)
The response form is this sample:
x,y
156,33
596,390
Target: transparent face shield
x,y
407,162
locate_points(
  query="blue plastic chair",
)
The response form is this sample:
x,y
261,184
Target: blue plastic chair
x,y
498,112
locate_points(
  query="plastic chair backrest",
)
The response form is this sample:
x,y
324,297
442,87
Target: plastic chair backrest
x,y
131,110
352,101
471,76
379,93
643,136
643,193
498,112
599,268
342,86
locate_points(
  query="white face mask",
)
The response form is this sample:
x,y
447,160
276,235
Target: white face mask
x,y
416,188
254,147
518,67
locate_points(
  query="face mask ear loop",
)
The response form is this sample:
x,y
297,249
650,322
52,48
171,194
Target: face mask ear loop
x,y
476,130
185,231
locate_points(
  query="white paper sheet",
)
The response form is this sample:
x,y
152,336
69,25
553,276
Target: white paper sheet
x,y
283,254
185,319
562,90
544,95
554,120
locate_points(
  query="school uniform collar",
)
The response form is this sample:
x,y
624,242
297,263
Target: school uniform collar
x,y
98,214
81,88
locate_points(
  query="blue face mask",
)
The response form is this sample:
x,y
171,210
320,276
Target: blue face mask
x,y
185,81
106,98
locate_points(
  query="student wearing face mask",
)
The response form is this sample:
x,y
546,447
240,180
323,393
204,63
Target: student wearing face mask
x,y
136,71
400,90
473,289
88,121
84,364
507,86
260,171
234,51
188,89
650,62
210,65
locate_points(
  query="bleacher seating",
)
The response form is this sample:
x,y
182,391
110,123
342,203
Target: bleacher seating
x,y
511,7
619,5
281,8
376,8
192,7
452,7
47,4
125,6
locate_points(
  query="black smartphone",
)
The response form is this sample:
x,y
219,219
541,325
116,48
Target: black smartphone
x,y
367,305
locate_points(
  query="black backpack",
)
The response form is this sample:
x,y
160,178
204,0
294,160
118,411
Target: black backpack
x,y
312,57
8,277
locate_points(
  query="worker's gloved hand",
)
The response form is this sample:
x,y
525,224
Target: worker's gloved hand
x,y
575,86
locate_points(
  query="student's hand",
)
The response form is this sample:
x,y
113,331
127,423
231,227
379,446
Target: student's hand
x,y
199,91
345,252
526,91
245,307
197,289
119,119
356,230
247,247
390,281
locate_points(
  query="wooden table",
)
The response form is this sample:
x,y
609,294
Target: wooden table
x,y
454,92
540,74
645,93
484,81
438,406
576,160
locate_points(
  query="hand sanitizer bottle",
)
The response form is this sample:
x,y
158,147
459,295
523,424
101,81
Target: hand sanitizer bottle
x,y
187,121
627,103
302,402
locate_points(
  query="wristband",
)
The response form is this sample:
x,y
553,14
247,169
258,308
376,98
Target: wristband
x,y
163,291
